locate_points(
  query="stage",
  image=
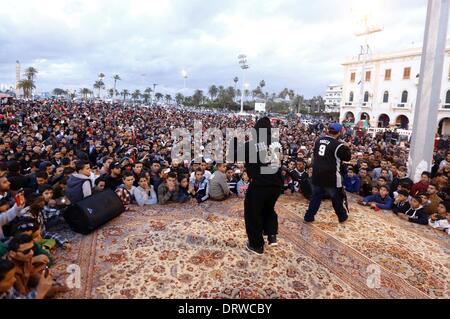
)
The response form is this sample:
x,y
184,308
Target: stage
x,y
197,251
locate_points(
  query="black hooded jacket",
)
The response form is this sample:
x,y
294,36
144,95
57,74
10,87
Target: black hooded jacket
x,y
260,145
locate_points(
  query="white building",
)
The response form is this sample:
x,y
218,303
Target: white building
x,y
333,97
389,90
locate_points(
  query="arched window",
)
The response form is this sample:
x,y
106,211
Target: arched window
x,y
366,96
447,97
405,97
350,98
386,97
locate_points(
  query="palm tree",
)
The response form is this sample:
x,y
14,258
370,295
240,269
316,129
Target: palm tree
x,y
111,93
30,73
291,94
158,96
257,92
179,98
125,93
148,91
168,98
59,92
146,97
136,95
116,78
84,92
298,103
101,76
99,85
284,93
197,98
27,86
262,84
213,91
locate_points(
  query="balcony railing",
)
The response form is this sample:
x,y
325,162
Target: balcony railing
x,y
445,107
367,105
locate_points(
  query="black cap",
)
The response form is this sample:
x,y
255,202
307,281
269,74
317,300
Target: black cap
x,y
114,165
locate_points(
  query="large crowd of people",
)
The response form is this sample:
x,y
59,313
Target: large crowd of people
x,y
55,153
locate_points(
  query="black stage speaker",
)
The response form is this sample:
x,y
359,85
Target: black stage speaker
x,y
93,211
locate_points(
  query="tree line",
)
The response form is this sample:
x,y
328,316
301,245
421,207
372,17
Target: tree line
x,y
216,97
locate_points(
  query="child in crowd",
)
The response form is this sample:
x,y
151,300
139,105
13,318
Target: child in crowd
x,y
380,201
145,193
127,189
441,219
168,190
381,181
184,189
99,185
201,186
405,187
232,179
375,191
352,181
243,184
288,184
365,183
416,213
52,215
36,211
401,203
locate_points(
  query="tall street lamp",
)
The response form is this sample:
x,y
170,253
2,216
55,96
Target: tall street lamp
x,y
244,66
365,51
154,92
184,74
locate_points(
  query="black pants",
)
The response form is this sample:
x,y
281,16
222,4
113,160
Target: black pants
x,y
338,199
259,213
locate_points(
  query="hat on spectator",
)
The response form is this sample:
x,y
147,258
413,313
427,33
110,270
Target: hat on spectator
x,y
114,165
335,127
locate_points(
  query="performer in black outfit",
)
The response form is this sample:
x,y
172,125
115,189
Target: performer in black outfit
x,y
329,152
263,191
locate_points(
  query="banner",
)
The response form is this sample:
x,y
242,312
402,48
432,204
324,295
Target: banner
x,y
260,107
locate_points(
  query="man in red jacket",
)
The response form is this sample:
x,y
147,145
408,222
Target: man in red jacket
x,y
422,185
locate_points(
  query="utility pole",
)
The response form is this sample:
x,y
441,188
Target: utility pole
x,y
428,93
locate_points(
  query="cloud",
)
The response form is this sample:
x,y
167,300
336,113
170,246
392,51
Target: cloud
x,y
295,44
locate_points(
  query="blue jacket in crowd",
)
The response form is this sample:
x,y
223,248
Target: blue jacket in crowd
x,y
352,184
385,203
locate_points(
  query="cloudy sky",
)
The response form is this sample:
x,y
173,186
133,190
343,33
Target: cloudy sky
x,y
289,43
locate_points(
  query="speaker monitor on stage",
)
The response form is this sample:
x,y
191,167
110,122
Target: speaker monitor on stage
x,y
94,211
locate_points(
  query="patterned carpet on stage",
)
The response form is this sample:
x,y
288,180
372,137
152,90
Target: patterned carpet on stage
x,y
197,251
